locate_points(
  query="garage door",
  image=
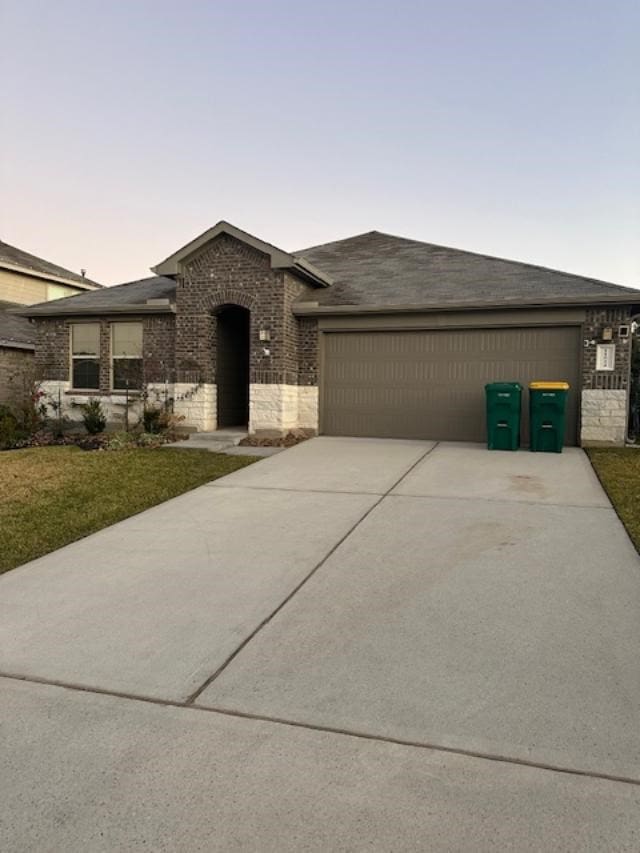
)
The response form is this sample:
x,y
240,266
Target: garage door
x,y
430,384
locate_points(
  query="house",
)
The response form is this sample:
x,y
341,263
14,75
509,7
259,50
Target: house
x,y
26,279
374,335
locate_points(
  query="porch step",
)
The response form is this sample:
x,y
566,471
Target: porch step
x,y
230,436
217,441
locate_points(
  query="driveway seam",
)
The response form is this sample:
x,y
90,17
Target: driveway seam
x,y
196,693
314,727
479,499
217,485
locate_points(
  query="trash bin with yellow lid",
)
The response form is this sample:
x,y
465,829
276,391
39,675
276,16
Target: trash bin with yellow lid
x,y
547,406
503,415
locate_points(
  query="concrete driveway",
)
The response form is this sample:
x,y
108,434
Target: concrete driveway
x,y
356,644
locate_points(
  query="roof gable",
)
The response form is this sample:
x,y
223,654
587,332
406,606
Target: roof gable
x,y
279,259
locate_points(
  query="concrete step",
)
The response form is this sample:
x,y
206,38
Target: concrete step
x,y
232,437
217,441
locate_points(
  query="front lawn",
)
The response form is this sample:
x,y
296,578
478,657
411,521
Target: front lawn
x,y
619,473
50,496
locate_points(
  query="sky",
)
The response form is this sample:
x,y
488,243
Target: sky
x,y
497,126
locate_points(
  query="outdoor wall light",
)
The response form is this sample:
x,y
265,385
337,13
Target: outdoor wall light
x,y
265,334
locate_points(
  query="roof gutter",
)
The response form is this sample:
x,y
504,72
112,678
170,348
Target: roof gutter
x,y
94,310
9,344
312,309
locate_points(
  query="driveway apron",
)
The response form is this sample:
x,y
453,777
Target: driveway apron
x,y
354,644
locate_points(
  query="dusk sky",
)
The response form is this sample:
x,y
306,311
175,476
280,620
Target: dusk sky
x,y
507,128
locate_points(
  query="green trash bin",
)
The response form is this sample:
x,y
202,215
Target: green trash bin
x,y
547,405
503,415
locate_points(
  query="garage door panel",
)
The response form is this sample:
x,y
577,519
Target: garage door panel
x,y
431,384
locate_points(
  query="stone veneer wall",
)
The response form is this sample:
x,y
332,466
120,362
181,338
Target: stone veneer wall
x,y
281,408
605,394
59,392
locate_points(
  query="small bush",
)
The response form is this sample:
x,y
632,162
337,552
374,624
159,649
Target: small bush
x,y
19,422
93,417
120,441
152,419
11,433
149,439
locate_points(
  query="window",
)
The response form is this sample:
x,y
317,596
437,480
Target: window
x,y
85,356
126,356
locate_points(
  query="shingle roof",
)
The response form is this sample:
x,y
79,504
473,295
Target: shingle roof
x,y
17,257
15,331
130,295
376,269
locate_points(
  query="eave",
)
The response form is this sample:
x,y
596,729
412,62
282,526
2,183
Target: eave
x,y
53,279
311,309
87,311
7,343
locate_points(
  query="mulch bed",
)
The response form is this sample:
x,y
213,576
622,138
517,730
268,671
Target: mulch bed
x,y
288,440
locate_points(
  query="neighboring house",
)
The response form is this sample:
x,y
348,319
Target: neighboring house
x,y
17,336
25,279
370,336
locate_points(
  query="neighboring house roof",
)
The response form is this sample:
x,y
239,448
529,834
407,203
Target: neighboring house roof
x,y
15,259
279,259
15,332
152,295
379,271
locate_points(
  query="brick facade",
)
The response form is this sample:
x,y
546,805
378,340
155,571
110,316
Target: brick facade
x,y
17,373
605,394
597,320
229,272
180,347
53,347
307,351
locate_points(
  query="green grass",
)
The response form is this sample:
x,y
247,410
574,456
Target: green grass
x,y
619,473
50,496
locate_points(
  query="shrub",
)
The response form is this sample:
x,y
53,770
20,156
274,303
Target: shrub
x,y
120,441
152,419
149,439
93,417
11,433
19,422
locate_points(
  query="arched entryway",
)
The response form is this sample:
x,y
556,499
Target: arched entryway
x,y
232,366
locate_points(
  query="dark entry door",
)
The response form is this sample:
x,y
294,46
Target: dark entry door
x,y
233,366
